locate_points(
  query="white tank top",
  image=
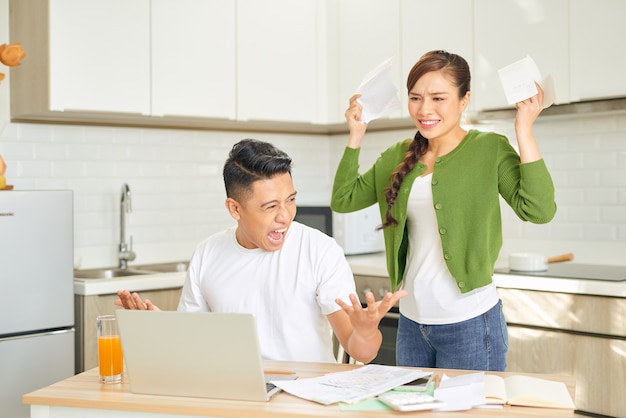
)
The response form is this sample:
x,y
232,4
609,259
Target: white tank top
x,y
433,297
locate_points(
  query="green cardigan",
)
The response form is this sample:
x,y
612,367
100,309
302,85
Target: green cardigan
x,y
466,183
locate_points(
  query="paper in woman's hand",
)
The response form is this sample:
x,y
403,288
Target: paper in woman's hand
x,y
518,80
379,96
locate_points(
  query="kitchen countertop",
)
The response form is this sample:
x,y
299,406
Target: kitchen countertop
x,y
560,285
90,287
375,265
367,265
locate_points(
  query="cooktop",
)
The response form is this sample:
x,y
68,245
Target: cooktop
x,y
568,270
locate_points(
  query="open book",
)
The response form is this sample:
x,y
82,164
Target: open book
x,y
527,391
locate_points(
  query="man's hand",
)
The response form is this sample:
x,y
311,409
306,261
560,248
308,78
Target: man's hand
x,y
129,300
357,327
366,320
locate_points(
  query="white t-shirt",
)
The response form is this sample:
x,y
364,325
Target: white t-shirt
x,y
289,291
434,297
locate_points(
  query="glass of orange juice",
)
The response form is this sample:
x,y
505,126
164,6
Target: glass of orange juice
x,y
110,357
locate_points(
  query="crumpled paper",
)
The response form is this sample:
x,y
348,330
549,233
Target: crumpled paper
x,y
379,96
518,80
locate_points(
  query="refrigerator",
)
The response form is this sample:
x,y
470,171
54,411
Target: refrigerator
x,y
36,294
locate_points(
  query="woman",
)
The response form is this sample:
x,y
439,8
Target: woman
x,y
438,195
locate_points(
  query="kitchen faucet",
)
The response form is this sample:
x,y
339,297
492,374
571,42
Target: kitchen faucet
x,y
126,253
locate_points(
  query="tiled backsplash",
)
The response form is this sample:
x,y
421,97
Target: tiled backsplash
x,y
587,158
586,155
175,177
178,195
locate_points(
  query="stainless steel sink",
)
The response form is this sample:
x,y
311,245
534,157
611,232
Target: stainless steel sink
x,y
173,267
145,269
107,273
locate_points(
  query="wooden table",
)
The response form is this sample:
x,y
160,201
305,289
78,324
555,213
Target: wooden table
x,y
83,396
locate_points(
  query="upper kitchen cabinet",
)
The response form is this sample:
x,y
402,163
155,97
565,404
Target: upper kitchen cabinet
x,y
367,33
506,31
281,60
81,55
420,35
118,61
193,58
370,31
597,54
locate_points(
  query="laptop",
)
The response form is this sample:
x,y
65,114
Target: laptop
x,y
195,354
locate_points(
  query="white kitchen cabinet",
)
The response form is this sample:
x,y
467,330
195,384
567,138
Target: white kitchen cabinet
x,y
193,58
506,31
147,57
216,63
367,33
420,35
597,54
98,55
81,55
281,60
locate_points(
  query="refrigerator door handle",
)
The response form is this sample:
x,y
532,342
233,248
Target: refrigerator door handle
x,y
32,334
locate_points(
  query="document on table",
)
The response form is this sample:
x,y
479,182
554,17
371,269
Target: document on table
x,y
518,80
351,386
461,392
378,93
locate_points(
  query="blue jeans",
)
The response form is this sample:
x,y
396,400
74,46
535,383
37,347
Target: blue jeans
x,y
479,343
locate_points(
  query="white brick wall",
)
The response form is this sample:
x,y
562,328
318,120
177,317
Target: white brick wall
x,y
587,158
178,197
175,177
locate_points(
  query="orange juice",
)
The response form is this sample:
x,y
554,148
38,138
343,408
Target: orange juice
x,y
110,358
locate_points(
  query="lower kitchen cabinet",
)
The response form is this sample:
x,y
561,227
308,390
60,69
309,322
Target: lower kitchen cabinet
x,y
87,308
579,335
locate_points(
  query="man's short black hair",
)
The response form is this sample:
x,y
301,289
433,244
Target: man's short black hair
x,y
251,160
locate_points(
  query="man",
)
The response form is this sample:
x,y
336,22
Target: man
x,y
294,279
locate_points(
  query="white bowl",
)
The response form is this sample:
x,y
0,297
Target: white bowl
x,y
528,262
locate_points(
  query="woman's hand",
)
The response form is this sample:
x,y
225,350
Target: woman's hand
x,y
355,125
528,110
527,113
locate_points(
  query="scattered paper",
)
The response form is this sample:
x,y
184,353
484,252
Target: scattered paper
x,y
462,392
351,386
379,95
518,80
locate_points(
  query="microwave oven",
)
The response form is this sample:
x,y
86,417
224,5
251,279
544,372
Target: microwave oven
x,y
356,232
